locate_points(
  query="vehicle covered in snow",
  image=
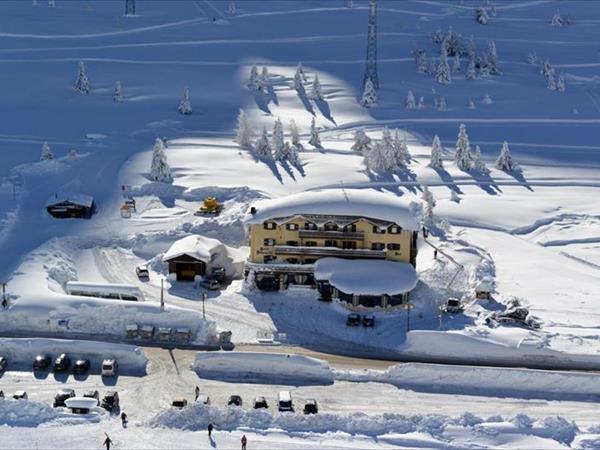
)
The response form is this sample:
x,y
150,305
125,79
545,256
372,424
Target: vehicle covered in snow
x,y
203,399
515,315
81,405
311,407
210,284
260,403
142,271
62,363
61,396
42,362
81,366
453,306
93,394
284,402
368,320
353,320
110,401
108,291
109,368
234,400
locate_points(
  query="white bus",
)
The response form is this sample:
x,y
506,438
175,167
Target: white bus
x,y
107,291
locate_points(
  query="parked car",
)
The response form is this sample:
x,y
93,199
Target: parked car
x,y
368,320
234,400
204,399
310,407
211,284
81,366
110,401
92,394
20,395
109,368
61,396
260,403
42,362
3,363
219,274
179,403
453,306
62,363
142,271
353,320
284,402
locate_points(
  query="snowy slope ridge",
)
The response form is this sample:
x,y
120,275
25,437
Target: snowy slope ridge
x,y
254,367
491,381
196,417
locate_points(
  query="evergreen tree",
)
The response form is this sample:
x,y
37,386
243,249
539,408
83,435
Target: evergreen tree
x,y
160,170
478,163
369,97
421,60
532,58
442,74
560,83
456,68
243,130
300,70
484,70
375,160
46,152
442,105
362,142
401,154
453,42
277,140
82,84
117,92
231,8
546,69
410,100
505,161
437,37
299,83
551,83
427,196
314,140
292,154
253,82
429,200
436,160
491,59
185,107
462,156
472,52
487,100
471,73
295,135
557,20
316,92
72,155
263,146
471,104
421,104
481,15
265,78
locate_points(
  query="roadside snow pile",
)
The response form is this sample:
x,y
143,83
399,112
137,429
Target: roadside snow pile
x,y
493,381
255,367
21,352
196,417
25,413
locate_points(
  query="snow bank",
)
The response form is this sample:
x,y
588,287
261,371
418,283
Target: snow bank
x,y
25,413
495,381
21,352
343,202
255,367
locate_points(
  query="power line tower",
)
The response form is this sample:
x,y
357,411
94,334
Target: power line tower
x,y
130,7
371,61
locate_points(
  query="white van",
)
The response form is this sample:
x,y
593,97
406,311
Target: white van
x,y
109,368
284,402
107,291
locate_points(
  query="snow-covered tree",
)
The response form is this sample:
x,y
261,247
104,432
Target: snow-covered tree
x,y
558,20
481,15
453,42
262,148
437,36
253,82
118,92
546,69
376,160
442,74
72,155
436,161
185,106
429,200
491,59
410,100
278,140
487,100
421,104
456,68
427,196
484,70
442,105
401,155
159,169
46,152
315,139
471,74
300,70
362,142
265,78
231,8
369,97
472,52
299,83
421,60
551,83
560,83
462,155
294,134
82,84
532,58
243,130
471,104
316,92
292,153
505,160
478,164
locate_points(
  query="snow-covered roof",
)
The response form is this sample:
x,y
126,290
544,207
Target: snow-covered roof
x,y
71,197
367,203
195,246
367,277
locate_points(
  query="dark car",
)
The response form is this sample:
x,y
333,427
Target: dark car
x,y
61,396
260,403
81,366
42,362
310,407
368,320
353,320
234,400
62,363
179,403
92,394
3,363
110,401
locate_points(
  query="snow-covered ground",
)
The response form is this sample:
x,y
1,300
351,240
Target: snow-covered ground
x,y
534,233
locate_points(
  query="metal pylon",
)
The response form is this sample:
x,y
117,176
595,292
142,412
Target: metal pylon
x,y
130,7
371,61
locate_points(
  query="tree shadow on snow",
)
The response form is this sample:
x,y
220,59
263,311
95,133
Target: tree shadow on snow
x,y
518,175
485,182
305,102
262,101
272,95
383,181
448,180
325,110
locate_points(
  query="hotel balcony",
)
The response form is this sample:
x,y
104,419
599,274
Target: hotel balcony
x,y
323,234
329,251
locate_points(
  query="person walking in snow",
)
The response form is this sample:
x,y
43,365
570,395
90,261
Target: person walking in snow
x,y
197,393
107,442
244,442
435,253
124,419
210,428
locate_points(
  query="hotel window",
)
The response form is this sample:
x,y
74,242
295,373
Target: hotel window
x,y
350,228
310,243
269,258
378,230
291,226
349,245
377,246
331,227
310,226
291,243
330,243
270,225
292,260
269,242
393,246
394,229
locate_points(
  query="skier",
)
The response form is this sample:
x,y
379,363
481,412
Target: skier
x,y
210,428
244,442
107,442
197,393
124,419
435,253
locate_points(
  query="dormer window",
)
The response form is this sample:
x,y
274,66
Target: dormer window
x,y
269,225
378,230
330,226
291,226
394,229
310,226
350,228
